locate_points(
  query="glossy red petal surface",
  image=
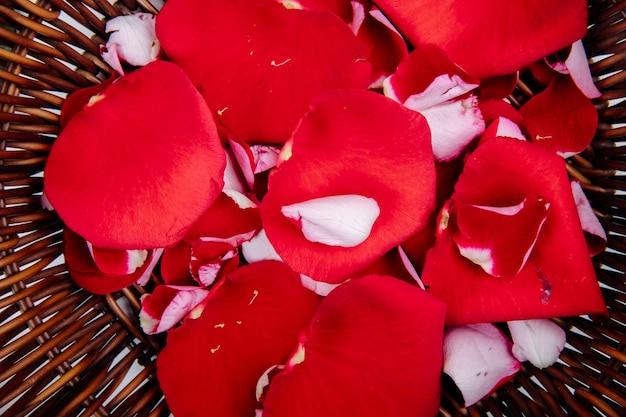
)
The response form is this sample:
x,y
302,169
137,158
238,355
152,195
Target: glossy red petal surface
x,y
353,142
490,39
259,64
251,321
561,118
76,101
558,279
129,172
374,348
501,239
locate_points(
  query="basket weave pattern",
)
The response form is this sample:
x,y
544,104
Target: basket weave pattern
x,y
65,352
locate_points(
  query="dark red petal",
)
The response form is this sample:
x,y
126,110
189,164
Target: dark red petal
x,y
251,321
558,279
129,172
353,142
259,64
489,39
77,101
497,87
561,118
86,274
374,348
175,264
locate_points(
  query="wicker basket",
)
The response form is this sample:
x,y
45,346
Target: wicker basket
x,y
65,352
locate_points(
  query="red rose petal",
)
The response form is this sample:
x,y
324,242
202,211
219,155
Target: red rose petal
x,y
500,239
558,279
374,348
168,305
352,142
386,45
175,264
258,64
561,118
77,101
251,321
428,77
85,272
117,261
577,65
479,35
497,87
492,109
131,173
226,219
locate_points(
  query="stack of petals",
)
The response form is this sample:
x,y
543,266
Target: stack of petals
x,y
336,221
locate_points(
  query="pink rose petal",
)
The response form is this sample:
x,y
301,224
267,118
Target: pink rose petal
x,y
168,305
538,341
132,40
341,220
595,234
478,359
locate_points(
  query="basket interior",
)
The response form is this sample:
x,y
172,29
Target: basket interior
x,y
64,351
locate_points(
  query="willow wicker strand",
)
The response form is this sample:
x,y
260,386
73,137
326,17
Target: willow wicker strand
x,y
65,352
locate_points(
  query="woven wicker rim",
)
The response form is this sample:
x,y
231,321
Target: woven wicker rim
x,y
65,352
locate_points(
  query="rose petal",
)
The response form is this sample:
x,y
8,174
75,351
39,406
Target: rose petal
x,y
77,101
538,341
250,322
428,78
352,142
259,248
478,35
168,162
500,239
259,64
558,279
132,40
378,340
478,359
595,235
85,272
453,125
167,306
340,220
387,47
561,118
117,261
577,66
175,265
492,109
